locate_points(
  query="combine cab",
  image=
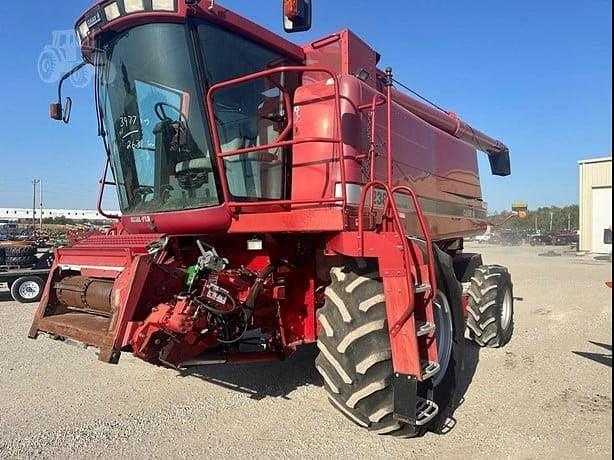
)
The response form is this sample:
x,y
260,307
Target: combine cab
x,y
276,195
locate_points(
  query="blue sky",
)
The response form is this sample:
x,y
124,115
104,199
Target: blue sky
x,y
536,74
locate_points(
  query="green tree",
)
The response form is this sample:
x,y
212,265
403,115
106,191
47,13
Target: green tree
x,y
562,218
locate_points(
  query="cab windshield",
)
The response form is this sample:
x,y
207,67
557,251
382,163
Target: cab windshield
x,y
151,98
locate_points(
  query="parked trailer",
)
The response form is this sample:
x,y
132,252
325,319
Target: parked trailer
x,y
26,283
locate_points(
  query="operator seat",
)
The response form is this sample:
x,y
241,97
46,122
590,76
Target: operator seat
x,y
234,135
193,174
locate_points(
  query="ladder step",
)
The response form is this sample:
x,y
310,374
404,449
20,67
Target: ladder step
x,y
422,288
429,369
426,410
424,328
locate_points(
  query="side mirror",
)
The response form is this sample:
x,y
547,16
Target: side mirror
x,y
67,109
60,112
607,236
57,111
297,15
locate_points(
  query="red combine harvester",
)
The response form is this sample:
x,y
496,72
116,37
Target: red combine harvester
x,y
273,196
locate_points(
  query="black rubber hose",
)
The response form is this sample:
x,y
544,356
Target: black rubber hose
x,y
256,289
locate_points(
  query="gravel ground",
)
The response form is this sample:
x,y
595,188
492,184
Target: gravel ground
x,y
547,394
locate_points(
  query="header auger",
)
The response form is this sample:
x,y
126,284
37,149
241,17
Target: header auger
x,y
276,195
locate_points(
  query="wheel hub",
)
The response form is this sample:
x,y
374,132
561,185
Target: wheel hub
x,y
444,334
29,290
506,310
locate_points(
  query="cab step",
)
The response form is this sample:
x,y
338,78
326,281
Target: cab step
x,y
424,328
429,369
426,410
422,288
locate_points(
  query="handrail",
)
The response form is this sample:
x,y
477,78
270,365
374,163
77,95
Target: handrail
x,y
394,330
391,213
281,141
390,205
103,181
389,163
392,208
425,231
279,144
377,100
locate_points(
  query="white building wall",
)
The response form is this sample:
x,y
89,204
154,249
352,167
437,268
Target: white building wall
x,y
595,176
71,214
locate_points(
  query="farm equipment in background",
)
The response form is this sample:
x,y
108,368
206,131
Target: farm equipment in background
x,y
279,195
24,269
520,210
566,238
540,239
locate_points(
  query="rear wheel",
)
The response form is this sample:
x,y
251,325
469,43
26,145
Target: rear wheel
x,y
355,357
491,306
27,289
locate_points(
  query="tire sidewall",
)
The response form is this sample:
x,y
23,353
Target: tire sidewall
x,y
444,394
505,335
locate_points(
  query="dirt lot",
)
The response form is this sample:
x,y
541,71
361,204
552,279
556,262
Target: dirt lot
x,y
547,394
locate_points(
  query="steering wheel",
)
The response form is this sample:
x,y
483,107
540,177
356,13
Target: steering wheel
x,y
161,114
143,191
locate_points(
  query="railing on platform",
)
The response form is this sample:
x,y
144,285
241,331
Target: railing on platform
x,y
283,139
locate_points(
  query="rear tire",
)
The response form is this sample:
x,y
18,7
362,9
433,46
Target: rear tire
x,y
355,358
27,289
490,317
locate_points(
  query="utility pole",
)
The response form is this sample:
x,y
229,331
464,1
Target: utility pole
x,y
536,229
569,222
41,205
35,182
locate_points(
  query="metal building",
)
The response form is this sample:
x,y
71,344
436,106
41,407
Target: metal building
x,y
13,214
595,203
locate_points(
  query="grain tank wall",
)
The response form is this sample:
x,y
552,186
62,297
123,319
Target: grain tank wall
x,y
440,167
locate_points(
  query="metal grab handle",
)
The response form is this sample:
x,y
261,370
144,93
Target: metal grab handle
x,y
397,221
103,182
425,231
391,207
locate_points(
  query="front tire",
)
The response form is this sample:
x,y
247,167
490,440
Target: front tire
x,y
491,306
355,356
